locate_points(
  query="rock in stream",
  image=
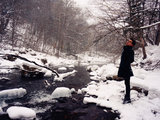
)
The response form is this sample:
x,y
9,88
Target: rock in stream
x,y
65,108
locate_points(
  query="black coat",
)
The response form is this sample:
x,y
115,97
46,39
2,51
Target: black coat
x,y
127,58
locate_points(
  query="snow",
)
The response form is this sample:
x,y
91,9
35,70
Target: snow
x,y
61,92
147,26
92,68
62,69
104,71
71,66
12,93
93,58
16,112
111,93
63,75
5,65
153,57
48,73
73,90
108,93
52,61
79,91
151,80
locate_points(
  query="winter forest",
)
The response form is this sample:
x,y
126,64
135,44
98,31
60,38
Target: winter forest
x,y
60,59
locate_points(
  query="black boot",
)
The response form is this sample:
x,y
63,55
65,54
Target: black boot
x,y
126,100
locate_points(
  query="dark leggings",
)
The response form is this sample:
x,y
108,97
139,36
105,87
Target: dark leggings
x,y
127,84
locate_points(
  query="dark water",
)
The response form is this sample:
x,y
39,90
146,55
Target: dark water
x,y
65,108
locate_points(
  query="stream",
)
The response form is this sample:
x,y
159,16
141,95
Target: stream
x,y
38,98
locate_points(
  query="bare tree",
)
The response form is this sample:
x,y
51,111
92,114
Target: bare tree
x,y
48,25
144,21
4,17
110,25
135,18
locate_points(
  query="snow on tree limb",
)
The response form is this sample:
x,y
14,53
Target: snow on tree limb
x,y
25,59
144,27
147,26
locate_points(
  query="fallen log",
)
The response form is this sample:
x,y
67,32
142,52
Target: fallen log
x,y
25,59
115,77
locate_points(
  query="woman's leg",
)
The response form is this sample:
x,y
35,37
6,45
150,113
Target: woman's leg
x,y
127,85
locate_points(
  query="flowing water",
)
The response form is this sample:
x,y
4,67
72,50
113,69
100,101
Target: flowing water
x,y
38,98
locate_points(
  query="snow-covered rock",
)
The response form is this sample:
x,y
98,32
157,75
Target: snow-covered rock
x,y
103,72
61,92
71,66
107,70
29,66
92,68
16,112
79,91
73,90
48,73
12,93
62,69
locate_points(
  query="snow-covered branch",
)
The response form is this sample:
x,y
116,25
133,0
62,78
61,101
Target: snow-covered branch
x,y
25,59
147,26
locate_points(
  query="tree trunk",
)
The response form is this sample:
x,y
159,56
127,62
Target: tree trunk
x,y
157,41
143,48
13,31
13,24
158,36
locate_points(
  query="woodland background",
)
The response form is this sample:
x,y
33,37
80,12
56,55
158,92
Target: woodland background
x,y
56,26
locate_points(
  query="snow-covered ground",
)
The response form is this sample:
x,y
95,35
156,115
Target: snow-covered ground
x,y
111,93
52,61
108,93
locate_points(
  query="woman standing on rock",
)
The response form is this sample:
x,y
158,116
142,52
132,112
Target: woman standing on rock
x,y
125,70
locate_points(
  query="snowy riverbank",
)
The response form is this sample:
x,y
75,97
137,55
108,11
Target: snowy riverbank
x,y
103,92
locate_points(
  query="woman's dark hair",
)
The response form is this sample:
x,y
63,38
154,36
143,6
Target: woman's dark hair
x,y
133,41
